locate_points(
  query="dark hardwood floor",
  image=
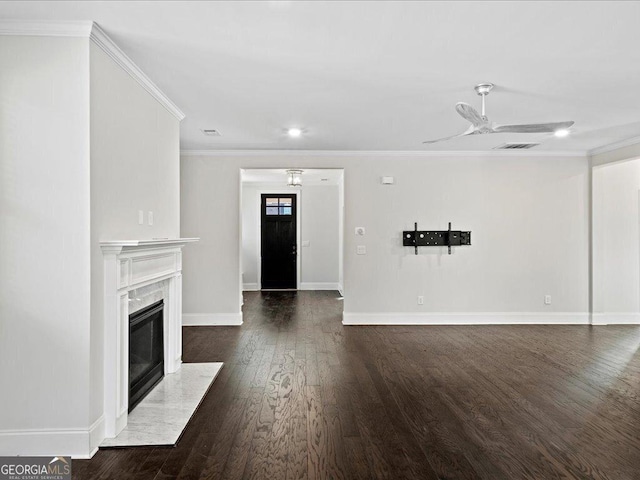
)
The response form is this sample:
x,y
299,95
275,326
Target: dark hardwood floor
x,y
303,397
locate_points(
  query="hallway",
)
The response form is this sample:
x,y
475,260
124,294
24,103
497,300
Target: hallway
x,y
303,397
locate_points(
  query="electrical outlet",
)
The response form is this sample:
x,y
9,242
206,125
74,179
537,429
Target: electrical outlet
x,y
150,217
420,300
547,299
361,250
140,217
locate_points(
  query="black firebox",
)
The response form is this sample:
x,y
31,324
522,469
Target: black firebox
x,y
146,351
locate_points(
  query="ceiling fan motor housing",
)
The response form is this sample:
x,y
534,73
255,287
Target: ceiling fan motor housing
x,y
483,88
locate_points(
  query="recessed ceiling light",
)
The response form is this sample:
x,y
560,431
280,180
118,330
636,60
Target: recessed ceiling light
x,y
563,132
294,132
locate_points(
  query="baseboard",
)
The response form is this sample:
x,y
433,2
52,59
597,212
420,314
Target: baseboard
x,y
319,286
75,443
96,434
254,287
211,319
515,318
616,318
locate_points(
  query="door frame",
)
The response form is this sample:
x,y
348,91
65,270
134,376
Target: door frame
x,y
297,191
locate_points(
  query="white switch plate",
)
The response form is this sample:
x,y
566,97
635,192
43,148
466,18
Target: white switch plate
x,y
361,250
547,299
150,217
420,300
140,217
305,243
387,180
360,231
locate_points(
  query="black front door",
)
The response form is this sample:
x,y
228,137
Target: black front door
x,y
279,257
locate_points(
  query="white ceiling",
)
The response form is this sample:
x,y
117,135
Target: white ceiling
x,y
278,176
378,75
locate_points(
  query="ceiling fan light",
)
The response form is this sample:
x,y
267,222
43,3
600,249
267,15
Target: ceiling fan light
x,y
561,133
294,178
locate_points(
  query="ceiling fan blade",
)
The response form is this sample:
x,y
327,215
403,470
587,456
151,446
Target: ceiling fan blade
x,y
469,131
470,114
532,127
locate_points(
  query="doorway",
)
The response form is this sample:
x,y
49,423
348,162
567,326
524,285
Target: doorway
x,y
279,247
615,243
317,217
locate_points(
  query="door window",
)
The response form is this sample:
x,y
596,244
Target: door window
x,y
278,206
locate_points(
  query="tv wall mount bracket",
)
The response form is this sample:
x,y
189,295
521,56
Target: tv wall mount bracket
x,y
435,238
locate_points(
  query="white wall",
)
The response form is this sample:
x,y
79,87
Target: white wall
x,y
320,227
134,166
210,200
616,242
44,244
341,234
83,146
250,236
319,224
529,216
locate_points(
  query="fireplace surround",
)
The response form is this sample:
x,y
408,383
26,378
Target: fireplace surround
x,y
152,268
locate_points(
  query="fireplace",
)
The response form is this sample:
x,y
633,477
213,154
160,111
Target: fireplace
x,y
146,351
137,274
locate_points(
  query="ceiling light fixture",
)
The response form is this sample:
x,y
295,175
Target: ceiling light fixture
x,y
294,178
563,132
294,132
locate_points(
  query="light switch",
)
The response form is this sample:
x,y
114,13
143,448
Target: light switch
x,y
361,250
150,217
305,243
387,180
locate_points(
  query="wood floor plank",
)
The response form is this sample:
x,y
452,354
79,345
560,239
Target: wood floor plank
x,y
303,397
317,455
239,453
216,458
297,439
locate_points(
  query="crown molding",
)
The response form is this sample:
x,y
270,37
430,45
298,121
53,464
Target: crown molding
x,y
98,36
283,183
102,40
46,28
610,147
377,153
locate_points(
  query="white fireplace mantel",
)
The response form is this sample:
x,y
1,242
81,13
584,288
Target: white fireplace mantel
x,y
128,265
154,242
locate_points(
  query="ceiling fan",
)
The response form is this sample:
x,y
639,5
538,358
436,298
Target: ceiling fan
x,y
480,124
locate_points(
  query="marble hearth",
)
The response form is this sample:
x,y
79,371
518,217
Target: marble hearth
x,y
136,274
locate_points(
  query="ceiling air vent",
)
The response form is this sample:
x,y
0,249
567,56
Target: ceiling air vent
x,y
211,132
515,146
